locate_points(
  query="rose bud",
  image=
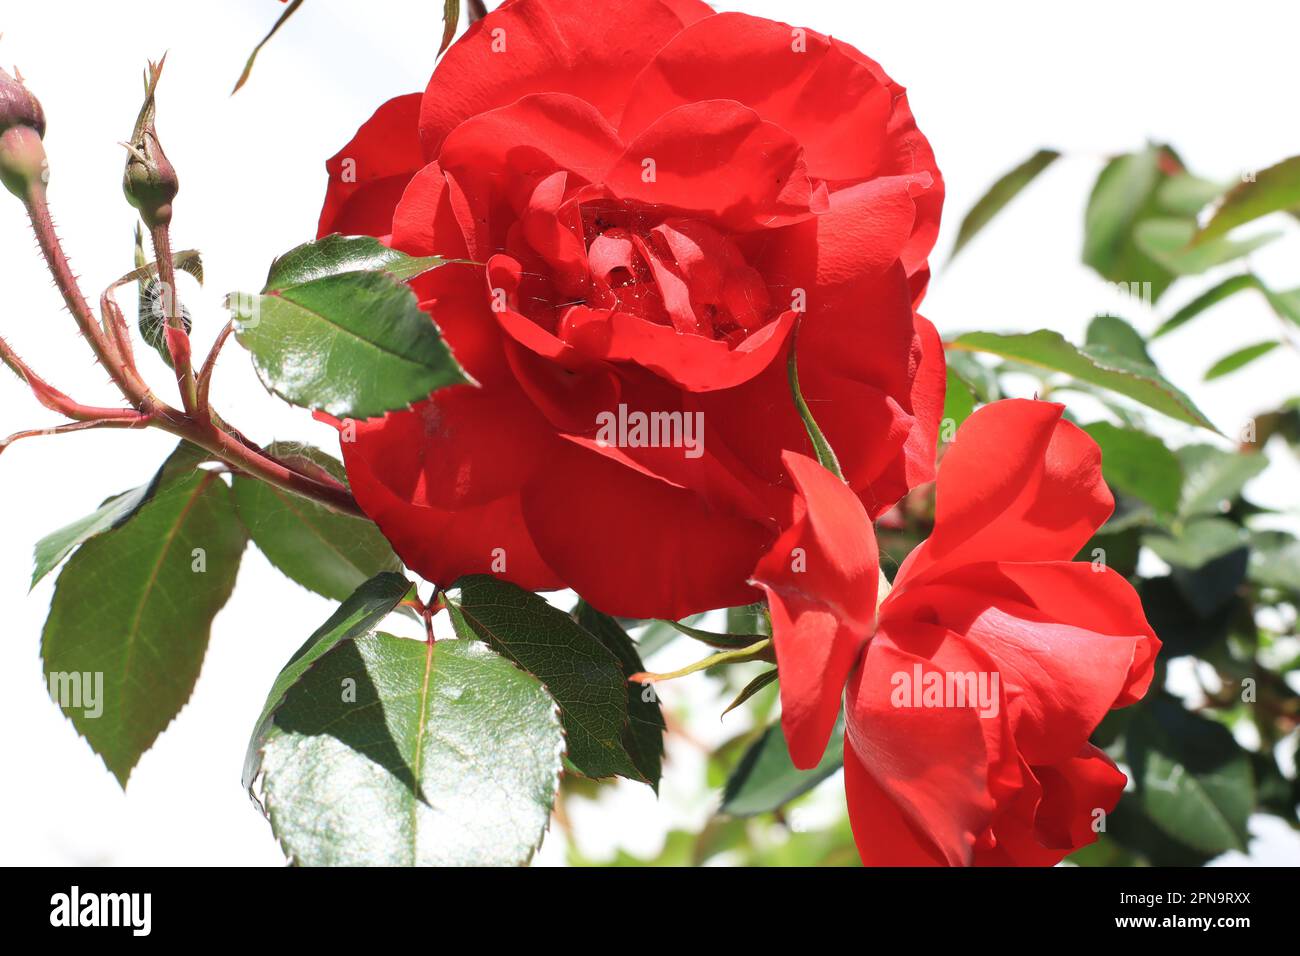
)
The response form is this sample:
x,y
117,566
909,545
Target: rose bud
x,y
22,124
150,181
18,107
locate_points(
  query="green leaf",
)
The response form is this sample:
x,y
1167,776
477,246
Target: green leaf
x,y
450,20
354,345
1225,289
1182,628
1193,781
395,752
981,379
321,549
1208,557
1118,337
1169,242
1126,192
135,606
958,404
248,66
360,613
1286,304
747,619
113,513
644,736
1239,359
713,638
1275,560
1093,365
1213,478
821,447
1274,190
999,194
583,676
765,779
336,254
750,689
1139,464
1185,195
1198,543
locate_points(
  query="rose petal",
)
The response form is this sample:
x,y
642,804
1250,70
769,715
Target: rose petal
x,y
368,175
945,767
531,46
1018,484
602,525
1060,678
820,578
720,160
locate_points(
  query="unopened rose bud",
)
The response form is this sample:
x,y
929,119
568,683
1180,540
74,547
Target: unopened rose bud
x,y
150,181
22,125
18,107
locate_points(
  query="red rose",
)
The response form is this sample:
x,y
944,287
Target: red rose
x,y
652,194
1020,650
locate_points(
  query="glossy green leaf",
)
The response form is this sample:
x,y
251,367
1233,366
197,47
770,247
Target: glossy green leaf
x,y
1239,359
360,613
1274,190
335,254
1213,478
354,345
1000,194
644,736
1093,365
113,513
583,676
135,606
765,779
323,550
1193,781
387,751
1139,464
1169,242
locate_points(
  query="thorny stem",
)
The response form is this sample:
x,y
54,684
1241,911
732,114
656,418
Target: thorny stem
x,y
147,409
52,398
140,421
202,406
178,340
43,226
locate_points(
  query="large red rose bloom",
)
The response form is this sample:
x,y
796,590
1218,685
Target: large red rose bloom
x,y
648,197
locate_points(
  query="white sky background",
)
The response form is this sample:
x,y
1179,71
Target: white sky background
x,y
989,83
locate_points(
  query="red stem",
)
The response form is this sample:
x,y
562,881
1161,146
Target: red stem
x,y
178,340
